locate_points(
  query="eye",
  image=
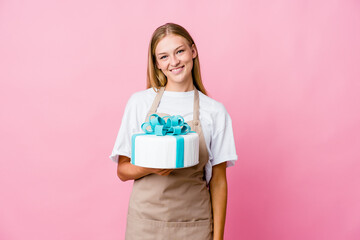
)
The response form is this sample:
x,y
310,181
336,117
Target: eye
x,y
162,57
180,50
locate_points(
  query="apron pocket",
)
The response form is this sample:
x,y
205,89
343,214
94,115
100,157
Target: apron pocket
x,y
146,229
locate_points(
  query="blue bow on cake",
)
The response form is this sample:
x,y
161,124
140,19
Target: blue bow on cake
x,y
168,125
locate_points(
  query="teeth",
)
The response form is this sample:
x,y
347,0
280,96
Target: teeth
x,y
177,69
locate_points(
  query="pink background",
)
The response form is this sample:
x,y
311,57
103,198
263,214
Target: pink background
x,y
287,72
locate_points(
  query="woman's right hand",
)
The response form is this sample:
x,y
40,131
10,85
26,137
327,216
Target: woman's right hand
x,y
159,171
127,171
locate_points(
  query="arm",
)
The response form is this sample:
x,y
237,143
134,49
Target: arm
x,y
127,171
218,192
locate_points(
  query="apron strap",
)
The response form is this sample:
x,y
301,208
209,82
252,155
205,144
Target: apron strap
x,y
196,105
156,103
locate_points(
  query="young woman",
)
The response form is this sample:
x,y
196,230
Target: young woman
x,y
188,203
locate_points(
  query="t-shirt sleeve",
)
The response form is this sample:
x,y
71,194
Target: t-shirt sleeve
x,y
222,143
128,126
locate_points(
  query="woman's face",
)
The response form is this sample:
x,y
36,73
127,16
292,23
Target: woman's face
x,y
174,57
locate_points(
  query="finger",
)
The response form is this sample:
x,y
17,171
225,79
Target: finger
x,y
165,172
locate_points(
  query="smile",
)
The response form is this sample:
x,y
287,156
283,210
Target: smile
x,y
177,70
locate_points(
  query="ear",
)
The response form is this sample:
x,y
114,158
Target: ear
x,y
193,50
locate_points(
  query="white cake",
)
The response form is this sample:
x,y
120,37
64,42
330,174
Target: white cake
x,y
153,151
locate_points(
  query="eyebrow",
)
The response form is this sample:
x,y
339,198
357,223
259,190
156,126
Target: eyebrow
x,y
175,49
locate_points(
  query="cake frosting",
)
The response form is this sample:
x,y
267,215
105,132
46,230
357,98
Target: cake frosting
x,y
162,151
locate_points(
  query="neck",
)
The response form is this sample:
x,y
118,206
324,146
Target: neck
x,y
179,87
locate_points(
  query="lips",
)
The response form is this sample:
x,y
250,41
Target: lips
x,y
176,70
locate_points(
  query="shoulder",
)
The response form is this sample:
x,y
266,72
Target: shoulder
x,y
214,107
137,106
214,114
141,98
142,95
139,101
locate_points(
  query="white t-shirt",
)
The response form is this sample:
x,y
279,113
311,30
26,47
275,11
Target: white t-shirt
x,y
215,122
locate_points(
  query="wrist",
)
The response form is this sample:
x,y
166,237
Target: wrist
x,y
143,171
218,236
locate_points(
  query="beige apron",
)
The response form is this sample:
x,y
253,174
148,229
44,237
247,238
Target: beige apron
x,y
173,207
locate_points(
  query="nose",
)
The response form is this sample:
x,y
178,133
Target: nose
x,y
174,61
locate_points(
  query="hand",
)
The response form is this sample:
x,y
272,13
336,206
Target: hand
x,y
127,171
163,172
159,171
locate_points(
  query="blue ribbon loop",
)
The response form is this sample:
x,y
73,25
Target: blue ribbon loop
x,y
168,125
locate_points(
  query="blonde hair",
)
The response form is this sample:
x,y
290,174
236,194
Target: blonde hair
x,y
155,77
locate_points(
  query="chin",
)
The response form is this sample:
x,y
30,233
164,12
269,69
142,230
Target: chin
x,y
176,81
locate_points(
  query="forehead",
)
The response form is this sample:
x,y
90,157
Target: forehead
x,y
169,43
